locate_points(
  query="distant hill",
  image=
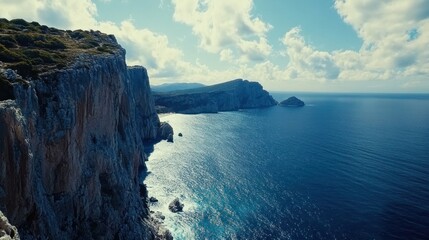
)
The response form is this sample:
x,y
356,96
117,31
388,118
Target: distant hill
x,y
228,96
168,87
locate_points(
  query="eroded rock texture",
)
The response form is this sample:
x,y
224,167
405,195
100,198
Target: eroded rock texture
x,y
7,231
144,102
71,150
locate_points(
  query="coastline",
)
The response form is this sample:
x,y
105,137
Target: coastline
x,y
218,183
163,115
166,187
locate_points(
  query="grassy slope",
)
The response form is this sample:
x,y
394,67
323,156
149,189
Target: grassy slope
x,y
31,48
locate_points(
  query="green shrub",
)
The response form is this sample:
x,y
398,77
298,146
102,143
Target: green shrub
x,y
105,48
35,24
44,28
54,31
35,55
90,43
36,61
21,22
52,43
9,56
39,40
85,46
8,41
7,37
24,39
24,68
8,44
40,44
55,43
78,34
102,49
4,21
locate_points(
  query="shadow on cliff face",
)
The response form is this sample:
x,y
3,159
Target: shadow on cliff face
x,y
6,91
149,147
165,132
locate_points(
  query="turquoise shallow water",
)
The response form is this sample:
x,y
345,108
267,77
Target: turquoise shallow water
x,y
344,167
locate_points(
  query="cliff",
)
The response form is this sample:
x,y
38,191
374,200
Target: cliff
x,y
71,144
228,96
144,102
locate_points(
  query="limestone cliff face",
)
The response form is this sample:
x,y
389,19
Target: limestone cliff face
x,y
71,149
229,96
144,102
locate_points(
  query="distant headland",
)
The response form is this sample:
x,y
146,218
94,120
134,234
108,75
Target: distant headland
x,y
228,96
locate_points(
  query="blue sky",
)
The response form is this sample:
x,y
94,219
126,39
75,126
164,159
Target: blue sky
x,y
306,45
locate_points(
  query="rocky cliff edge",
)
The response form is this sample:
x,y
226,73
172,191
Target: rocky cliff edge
x,y
71,146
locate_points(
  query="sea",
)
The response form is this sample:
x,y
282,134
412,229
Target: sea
x,y
345,166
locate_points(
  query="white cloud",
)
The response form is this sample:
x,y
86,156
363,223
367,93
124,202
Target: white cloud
x,y
225,24
20,8
305,61
395,37
143,46
226,55
57,13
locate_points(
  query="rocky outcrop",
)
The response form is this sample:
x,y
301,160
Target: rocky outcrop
x,y
7,231
165,132
152,129
71,150
229,96
144,102
158,215
292,102
176,206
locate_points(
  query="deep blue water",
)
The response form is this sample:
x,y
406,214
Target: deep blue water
x,y
343,167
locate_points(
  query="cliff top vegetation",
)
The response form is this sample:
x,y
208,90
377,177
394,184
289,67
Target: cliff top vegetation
x,y
31,48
